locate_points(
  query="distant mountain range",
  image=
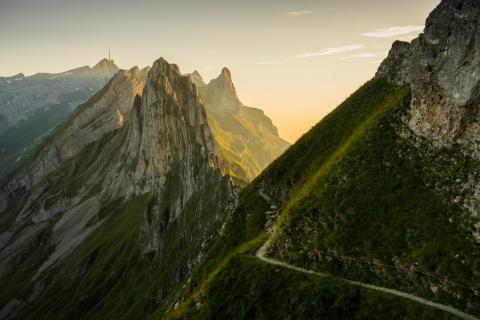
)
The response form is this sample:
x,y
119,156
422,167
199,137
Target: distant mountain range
x,y
31,106
137,206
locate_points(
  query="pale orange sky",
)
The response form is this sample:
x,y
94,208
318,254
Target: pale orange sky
x,y
295,59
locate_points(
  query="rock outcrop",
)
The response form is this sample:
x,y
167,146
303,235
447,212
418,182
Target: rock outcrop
x,y
168,132
197,79
445,76
220,93
395,69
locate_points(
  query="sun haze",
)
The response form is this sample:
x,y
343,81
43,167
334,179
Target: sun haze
x,y
296,60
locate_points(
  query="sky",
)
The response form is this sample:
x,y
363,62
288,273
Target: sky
x,y
294,59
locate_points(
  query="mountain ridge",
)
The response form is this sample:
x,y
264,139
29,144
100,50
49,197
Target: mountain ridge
x,y
247,138
363,196
150,159
31,106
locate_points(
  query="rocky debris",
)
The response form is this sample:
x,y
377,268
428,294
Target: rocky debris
x,y
70,231
274,210
445,76
395,69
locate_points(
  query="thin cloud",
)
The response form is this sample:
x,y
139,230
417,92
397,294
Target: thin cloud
x,y
330,51
393,31
375,62
298,13
366,55
271,62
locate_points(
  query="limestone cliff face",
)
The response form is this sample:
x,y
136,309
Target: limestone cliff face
x,y
442,67
35,192
167,137
445,76
142,140
247,138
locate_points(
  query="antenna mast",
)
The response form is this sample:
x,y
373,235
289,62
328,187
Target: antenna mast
x,y
109,53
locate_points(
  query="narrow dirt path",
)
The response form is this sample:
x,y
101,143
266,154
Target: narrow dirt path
x,y
260,254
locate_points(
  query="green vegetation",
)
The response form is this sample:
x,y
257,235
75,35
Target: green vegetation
x,y
357,204
247,288
112,265
370,213
108,270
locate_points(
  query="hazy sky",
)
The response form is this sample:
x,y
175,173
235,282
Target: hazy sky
x,y
295,59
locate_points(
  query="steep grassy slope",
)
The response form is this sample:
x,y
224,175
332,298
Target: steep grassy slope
x,y
358,132
249,289
381,209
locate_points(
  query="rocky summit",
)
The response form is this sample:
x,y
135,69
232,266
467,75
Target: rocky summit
x,y
446,76
247,138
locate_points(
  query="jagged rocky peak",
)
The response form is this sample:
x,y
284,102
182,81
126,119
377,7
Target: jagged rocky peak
x,y
197,79
226,80
144,71
222,92
169,131
396,67
445,74
106,66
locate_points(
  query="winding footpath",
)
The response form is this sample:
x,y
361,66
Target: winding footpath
x,y
260,254
462,315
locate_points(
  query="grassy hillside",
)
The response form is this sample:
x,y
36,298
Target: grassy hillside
x,y
250,289
376,211
346,195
